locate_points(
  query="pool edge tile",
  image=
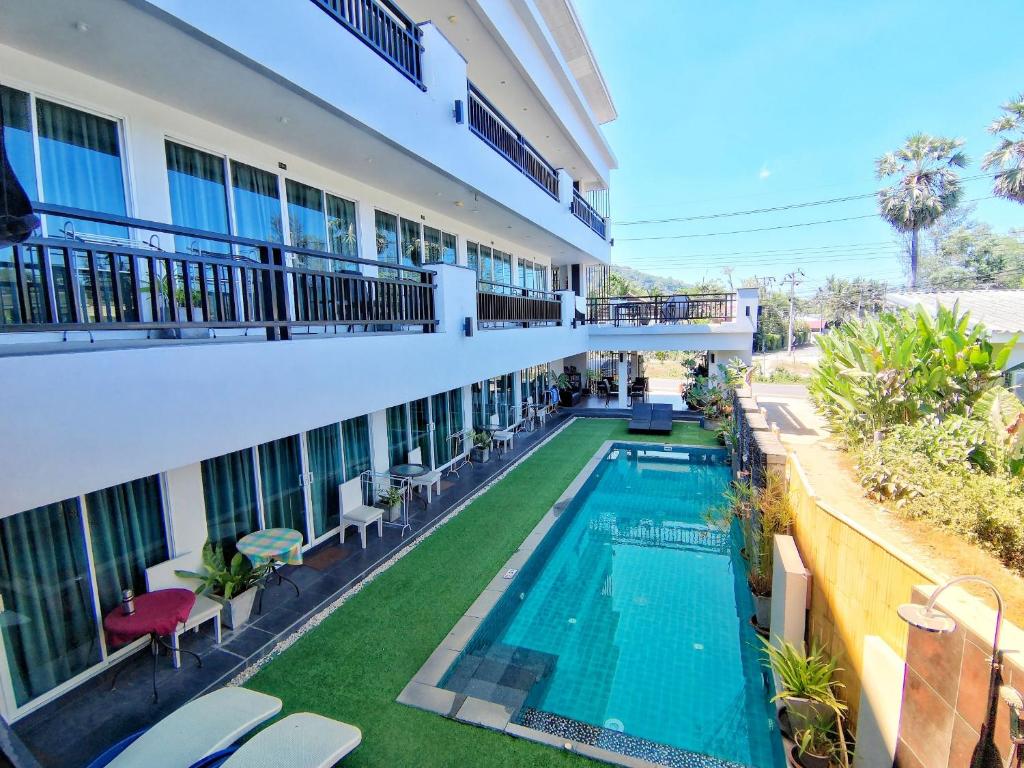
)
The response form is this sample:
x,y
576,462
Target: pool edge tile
x,y
463,630
435,667
485,713
428,698
484,603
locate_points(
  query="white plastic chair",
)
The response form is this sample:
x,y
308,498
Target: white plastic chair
x,y
430,479
163,576
355,512
502,438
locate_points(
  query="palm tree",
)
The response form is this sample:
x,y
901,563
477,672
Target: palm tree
x,y
1008,157
927,188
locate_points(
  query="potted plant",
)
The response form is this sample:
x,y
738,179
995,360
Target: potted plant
x,y
816,744
391,499
481,446
773,514
593,376
806,685
233,584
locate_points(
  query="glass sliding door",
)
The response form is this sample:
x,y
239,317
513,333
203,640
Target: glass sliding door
x,y
412,243
325,464
399,438
257,204
504,399
199,196
342,235
356,436
438,246
473,257
128,535
447,414
419,422
229,487
307,227
493,397
387,240
50,631
80,166
281,484
17,128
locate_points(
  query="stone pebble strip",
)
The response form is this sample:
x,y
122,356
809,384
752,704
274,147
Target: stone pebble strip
x,y
423,691
314,621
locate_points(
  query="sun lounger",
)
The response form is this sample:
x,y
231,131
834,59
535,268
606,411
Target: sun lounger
x,y
303,740
650,418
194,731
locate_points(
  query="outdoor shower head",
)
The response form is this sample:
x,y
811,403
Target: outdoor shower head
x,y
926,617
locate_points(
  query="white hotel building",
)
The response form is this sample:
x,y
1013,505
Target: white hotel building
x,y
283,243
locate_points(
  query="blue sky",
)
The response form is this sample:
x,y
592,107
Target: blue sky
x,y
742,104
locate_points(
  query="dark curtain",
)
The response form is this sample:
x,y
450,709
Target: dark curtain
x,y
50,631
356,433
126,527
229,487
284,503
324,446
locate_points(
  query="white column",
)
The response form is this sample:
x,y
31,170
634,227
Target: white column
x,y
623,380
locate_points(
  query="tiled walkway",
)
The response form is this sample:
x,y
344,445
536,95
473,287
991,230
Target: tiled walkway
x,y
72,730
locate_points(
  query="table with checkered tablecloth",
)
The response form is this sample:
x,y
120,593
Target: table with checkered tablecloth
x,y
278,545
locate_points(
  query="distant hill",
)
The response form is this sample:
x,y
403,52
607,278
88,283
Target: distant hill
x,y
651,283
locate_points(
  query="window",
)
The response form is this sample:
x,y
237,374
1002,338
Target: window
x,y
412,243
336,454
17,128
80,166
439,247
493,397
473,257
492,265
307,226
257,203
342,235
446,411
387,237
229,487
407,429
199,196
284,501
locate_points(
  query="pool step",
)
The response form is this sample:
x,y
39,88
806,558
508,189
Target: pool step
x,y
504,675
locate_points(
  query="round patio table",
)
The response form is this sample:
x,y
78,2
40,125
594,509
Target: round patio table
x,y
157,614
408,470
272,547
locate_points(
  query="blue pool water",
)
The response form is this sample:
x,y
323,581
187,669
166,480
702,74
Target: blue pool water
x,y
632,617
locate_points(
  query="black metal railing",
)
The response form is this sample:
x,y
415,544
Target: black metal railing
x,y
384,27
648,310
91,283
487,122
586,213
498,305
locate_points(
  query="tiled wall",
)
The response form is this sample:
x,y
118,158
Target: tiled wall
x,y
945,691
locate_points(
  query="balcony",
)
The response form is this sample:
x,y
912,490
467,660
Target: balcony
x,y
68,283
490,125
586,213
501,306
638,311
385,28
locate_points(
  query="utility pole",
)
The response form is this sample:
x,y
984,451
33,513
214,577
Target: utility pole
x,y
793,278
762,284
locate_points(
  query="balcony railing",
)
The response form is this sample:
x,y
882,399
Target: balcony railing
x,y
653,310
384,27
586,213
499,305
93,283
490,125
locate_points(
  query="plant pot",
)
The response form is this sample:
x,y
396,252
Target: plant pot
x,y
393,512
808,760
763,610
803,712
238,609
481,455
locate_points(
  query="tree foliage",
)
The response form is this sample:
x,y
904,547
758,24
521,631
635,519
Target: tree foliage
x,y
897,368
1008,157
841,299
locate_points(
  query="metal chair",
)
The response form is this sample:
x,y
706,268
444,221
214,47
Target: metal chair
x,y
430,479
502,439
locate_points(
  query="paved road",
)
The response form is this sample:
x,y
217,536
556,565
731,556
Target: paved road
x,y
789,406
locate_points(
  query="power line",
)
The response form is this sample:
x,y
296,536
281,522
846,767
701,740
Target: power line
x,y
773,209
769,229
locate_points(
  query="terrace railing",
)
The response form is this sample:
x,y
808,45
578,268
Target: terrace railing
x,y
586,213
383,26
651,310
490,125
82,282
498,305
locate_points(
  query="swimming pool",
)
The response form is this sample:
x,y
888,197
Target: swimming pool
x,y
628,627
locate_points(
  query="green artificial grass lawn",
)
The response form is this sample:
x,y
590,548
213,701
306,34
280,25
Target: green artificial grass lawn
x,y
354,665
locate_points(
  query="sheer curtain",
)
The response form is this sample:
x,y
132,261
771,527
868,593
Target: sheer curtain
x,y
284,503
80,160
229,487
199,195
324,444
307,227
257,203
50,632
126,527
399,440
341,228
356,434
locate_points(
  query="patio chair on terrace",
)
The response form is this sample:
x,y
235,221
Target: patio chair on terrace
x,y
195,731
355,512
164,576
501,438
432,478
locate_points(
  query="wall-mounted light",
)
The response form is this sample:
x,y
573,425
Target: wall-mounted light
x,y
467,326
459,112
